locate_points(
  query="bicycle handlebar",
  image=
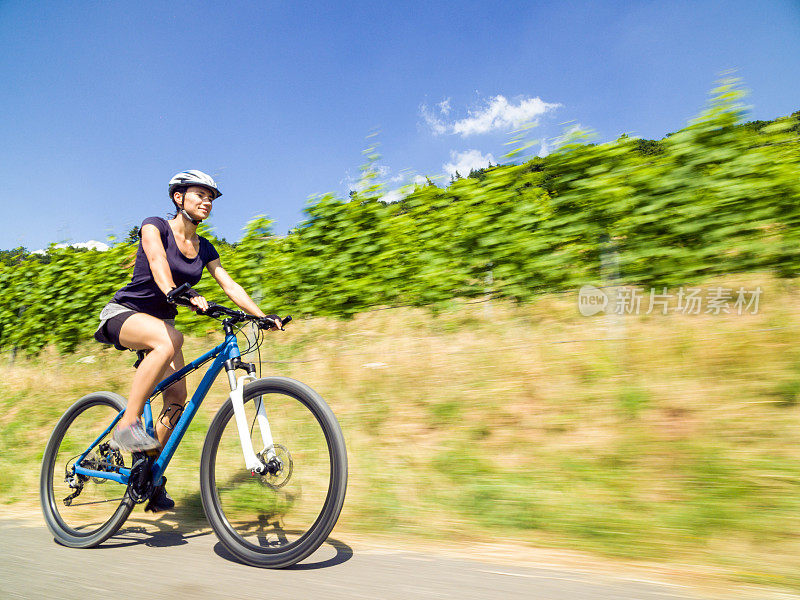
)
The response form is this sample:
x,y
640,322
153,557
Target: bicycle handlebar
x,y
179,296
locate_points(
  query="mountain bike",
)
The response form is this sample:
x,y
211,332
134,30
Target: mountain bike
x,y
273,468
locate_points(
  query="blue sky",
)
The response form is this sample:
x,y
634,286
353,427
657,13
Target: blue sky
x,y
102,102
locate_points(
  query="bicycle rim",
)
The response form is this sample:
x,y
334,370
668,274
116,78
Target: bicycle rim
x,y
102,505
291,512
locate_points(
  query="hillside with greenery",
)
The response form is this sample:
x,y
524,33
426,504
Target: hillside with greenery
x,y
718,196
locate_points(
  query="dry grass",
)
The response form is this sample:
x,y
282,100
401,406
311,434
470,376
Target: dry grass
x,y
678,442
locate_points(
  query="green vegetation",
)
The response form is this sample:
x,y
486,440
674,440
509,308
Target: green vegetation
x,y
715,197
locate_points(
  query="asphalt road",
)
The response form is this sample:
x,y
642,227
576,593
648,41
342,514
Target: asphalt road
x,y
151,560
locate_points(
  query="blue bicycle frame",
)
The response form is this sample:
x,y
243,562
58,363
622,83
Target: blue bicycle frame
x,y
227,350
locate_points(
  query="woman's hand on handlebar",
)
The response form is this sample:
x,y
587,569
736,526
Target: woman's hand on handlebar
x,y
186,296
270,322
199,303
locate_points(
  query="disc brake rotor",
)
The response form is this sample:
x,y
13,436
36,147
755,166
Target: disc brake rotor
x,y
279,465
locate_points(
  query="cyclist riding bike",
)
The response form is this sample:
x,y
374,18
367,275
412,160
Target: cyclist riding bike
x,y
141,316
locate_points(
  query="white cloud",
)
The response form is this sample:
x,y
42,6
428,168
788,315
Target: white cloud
x,y
379,175
394,196
91,245
575,132
464,162
348,180
497,114
544,150
390,187
437,124
407,178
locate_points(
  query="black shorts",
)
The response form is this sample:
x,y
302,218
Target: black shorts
x,y
109,332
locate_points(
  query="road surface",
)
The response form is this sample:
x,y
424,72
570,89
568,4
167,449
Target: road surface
x,y
154,559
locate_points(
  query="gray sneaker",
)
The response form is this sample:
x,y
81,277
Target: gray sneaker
x,y
133,439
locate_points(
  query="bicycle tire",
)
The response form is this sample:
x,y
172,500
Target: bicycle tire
x,y
292,409
57,515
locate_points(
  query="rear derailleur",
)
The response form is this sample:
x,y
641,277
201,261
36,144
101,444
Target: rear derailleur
x,y
103,459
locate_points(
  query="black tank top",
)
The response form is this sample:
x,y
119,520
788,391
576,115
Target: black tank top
x,y
142,294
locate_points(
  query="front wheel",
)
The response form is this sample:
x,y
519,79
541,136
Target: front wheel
x,y
81,511
279,518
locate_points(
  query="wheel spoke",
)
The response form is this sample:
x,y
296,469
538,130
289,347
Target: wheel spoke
x,y
82,510
256,508
278,517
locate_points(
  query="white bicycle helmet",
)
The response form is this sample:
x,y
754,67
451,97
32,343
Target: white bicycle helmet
x,y
193,177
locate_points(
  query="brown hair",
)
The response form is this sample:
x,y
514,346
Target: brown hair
x,y
182,189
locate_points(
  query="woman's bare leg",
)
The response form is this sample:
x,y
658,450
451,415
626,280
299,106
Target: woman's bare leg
x,y
174,399
146,332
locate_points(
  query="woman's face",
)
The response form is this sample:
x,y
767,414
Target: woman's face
x,y
197,201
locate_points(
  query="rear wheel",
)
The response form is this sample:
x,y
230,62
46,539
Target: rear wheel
x,y
279,518
81,511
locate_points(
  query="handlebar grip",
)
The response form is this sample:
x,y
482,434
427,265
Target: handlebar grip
x,y
213,310
286,319
176,296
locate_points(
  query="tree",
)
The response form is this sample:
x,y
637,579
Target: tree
x,y
133,236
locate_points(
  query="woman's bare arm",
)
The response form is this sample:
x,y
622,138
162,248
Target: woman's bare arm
x,y
157,257
232,289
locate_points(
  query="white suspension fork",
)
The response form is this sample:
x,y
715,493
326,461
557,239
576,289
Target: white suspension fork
x,y
252,462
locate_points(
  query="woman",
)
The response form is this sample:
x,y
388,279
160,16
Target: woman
x,y
140,316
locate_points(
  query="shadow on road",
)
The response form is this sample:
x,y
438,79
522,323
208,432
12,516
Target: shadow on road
x,y
164,532
343,554
153,533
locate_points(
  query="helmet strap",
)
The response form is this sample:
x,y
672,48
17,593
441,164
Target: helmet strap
x,y
186,214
